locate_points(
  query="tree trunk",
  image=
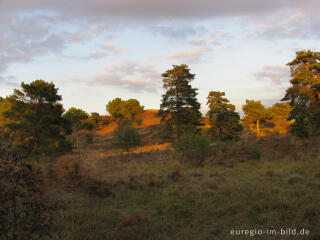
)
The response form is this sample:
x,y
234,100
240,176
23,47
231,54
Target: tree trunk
x,y
258,128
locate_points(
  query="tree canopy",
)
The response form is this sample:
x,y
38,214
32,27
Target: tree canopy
x,y
124,109
80,124
277,115
96,119
304,93
32,119
179,108
75,115
255,112
223,119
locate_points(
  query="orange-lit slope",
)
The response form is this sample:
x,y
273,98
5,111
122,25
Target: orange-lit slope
x,y
107,129
148,119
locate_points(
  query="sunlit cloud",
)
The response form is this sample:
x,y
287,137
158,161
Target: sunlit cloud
x,y
275,74
195,54
128,75
104,44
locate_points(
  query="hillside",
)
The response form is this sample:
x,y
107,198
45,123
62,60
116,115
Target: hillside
x,y
265,184
148,119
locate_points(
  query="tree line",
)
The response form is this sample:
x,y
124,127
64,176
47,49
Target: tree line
x,y
34,122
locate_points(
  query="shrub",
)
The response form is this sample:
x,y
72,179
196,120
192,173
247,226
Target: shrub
x,y
106,122
89,138
236,151
174,173
69,171
126,136
139,121
24,213
192,147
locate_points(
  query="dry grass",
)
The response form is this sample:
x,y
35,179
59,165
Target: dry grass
x,y
254,183
152,147
148,119
107,129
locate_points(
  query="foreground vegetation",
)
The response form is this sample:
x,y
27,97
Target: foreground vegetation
x,y
153,196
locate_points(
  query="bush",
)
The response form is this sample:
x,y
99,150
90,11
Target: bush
x,y
24,212
139,121
106,122
89,138
237,151
126,136
69,171
192,147
174,173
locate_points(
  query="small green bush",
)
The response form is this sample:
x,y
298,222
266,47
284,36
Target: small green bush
x,y
126,136
192,147
89,138
139,121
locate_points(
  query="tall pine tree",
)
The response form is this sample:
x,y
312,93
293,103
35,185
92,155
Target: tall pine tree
x,y
180,109
223,119
304,94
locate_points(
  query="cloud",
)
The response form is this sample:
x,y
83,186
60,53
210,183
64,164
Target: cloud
x,y
25,38
204,42
105,79
289,24
275,74
129,75
198,42
179,31
194,55
155,10
79,37
106,50
98,55
214,41
35,28
9,80
111,48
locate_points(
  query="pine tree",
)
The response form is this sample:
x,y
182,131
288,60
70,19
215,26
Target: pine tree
x,y
180,109
304,94
32,120
277,116
223,119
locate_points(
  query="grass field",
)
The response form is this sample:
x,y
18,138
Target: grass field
x,y
273,183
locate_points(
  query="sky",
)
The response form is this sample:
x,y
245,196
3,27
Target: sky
x,y
97,50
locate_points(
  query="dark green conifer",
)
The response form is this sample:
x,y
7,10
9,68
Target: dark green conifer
x,y
304,94
223,119
179,109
